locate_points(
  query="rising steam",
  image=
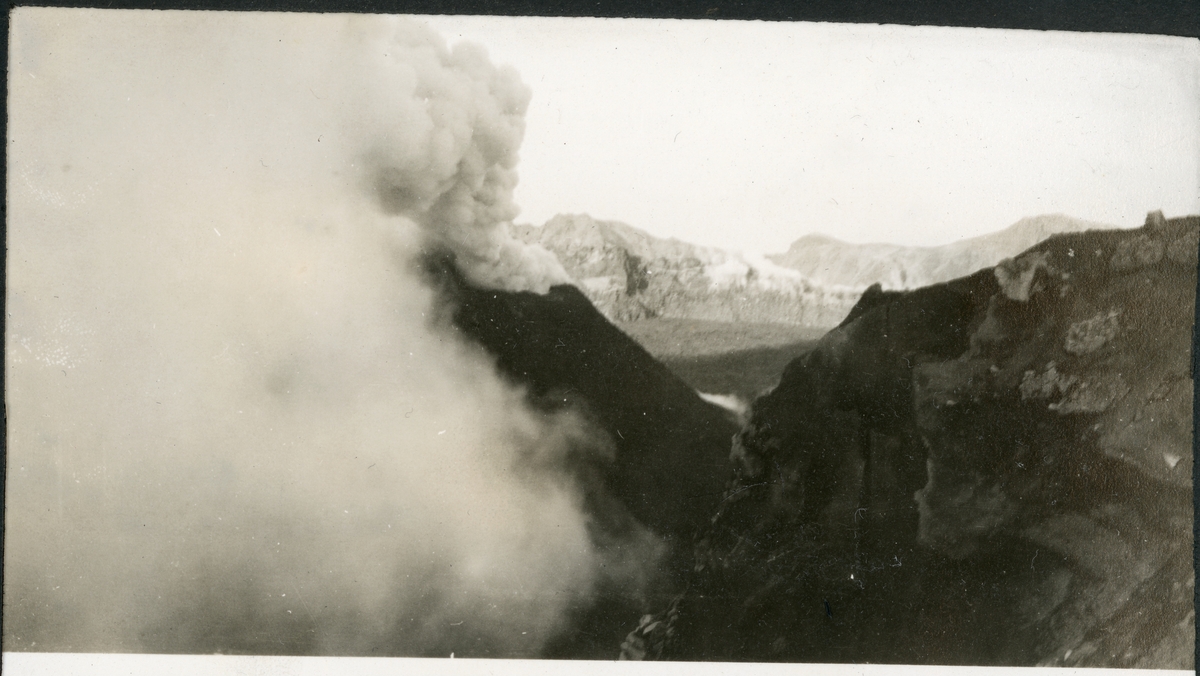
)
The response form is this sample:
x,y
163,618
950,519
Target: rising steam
x,y
231,426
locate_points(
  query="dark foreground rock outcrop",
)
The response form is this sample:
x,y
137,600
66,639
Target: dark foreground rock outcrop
x,y
668,461
995,470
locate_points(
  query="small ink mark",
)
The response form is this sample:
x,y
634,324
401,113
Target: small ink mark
x,y
410,410
828,610
370,465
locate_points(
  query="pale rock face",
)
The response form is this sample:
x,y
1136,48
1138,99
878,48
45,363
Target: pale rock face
x,y
1016,277
631,275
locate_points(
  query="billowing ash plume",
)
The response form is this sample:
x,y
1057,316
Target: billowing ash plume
x,y
449,162
232,426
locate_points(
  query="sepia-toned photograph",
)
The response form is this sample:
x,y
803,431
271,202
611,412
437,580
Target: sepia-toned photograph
x,y
573,339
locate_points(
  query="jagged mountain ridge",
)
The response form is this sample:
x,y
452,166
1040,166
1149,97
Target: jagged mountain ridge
x,y
629,274
829,261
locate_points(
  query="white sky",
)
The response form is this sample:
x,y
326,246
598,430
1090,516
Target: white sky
x,y
751,134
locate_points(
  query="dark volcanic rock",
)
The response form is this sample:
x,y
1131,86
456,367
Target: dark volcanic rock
x,y
669,461
993,470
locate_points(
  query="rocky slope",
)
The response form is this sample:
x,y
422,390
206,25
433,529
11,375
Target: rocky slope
x,y
828,261
667,450
991,470
630,275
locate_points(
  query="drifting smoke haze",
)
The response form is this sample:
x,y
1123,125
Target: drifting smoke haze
x,y
233,424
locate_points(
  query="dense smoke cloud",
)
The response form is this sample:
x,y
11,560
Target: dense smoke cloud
x,y
444,153
232,425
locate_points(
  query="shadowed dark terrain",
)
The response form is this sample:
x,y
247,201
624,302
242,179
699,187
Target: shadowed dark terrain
x,y
743,373
995,470
669,463
742,359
